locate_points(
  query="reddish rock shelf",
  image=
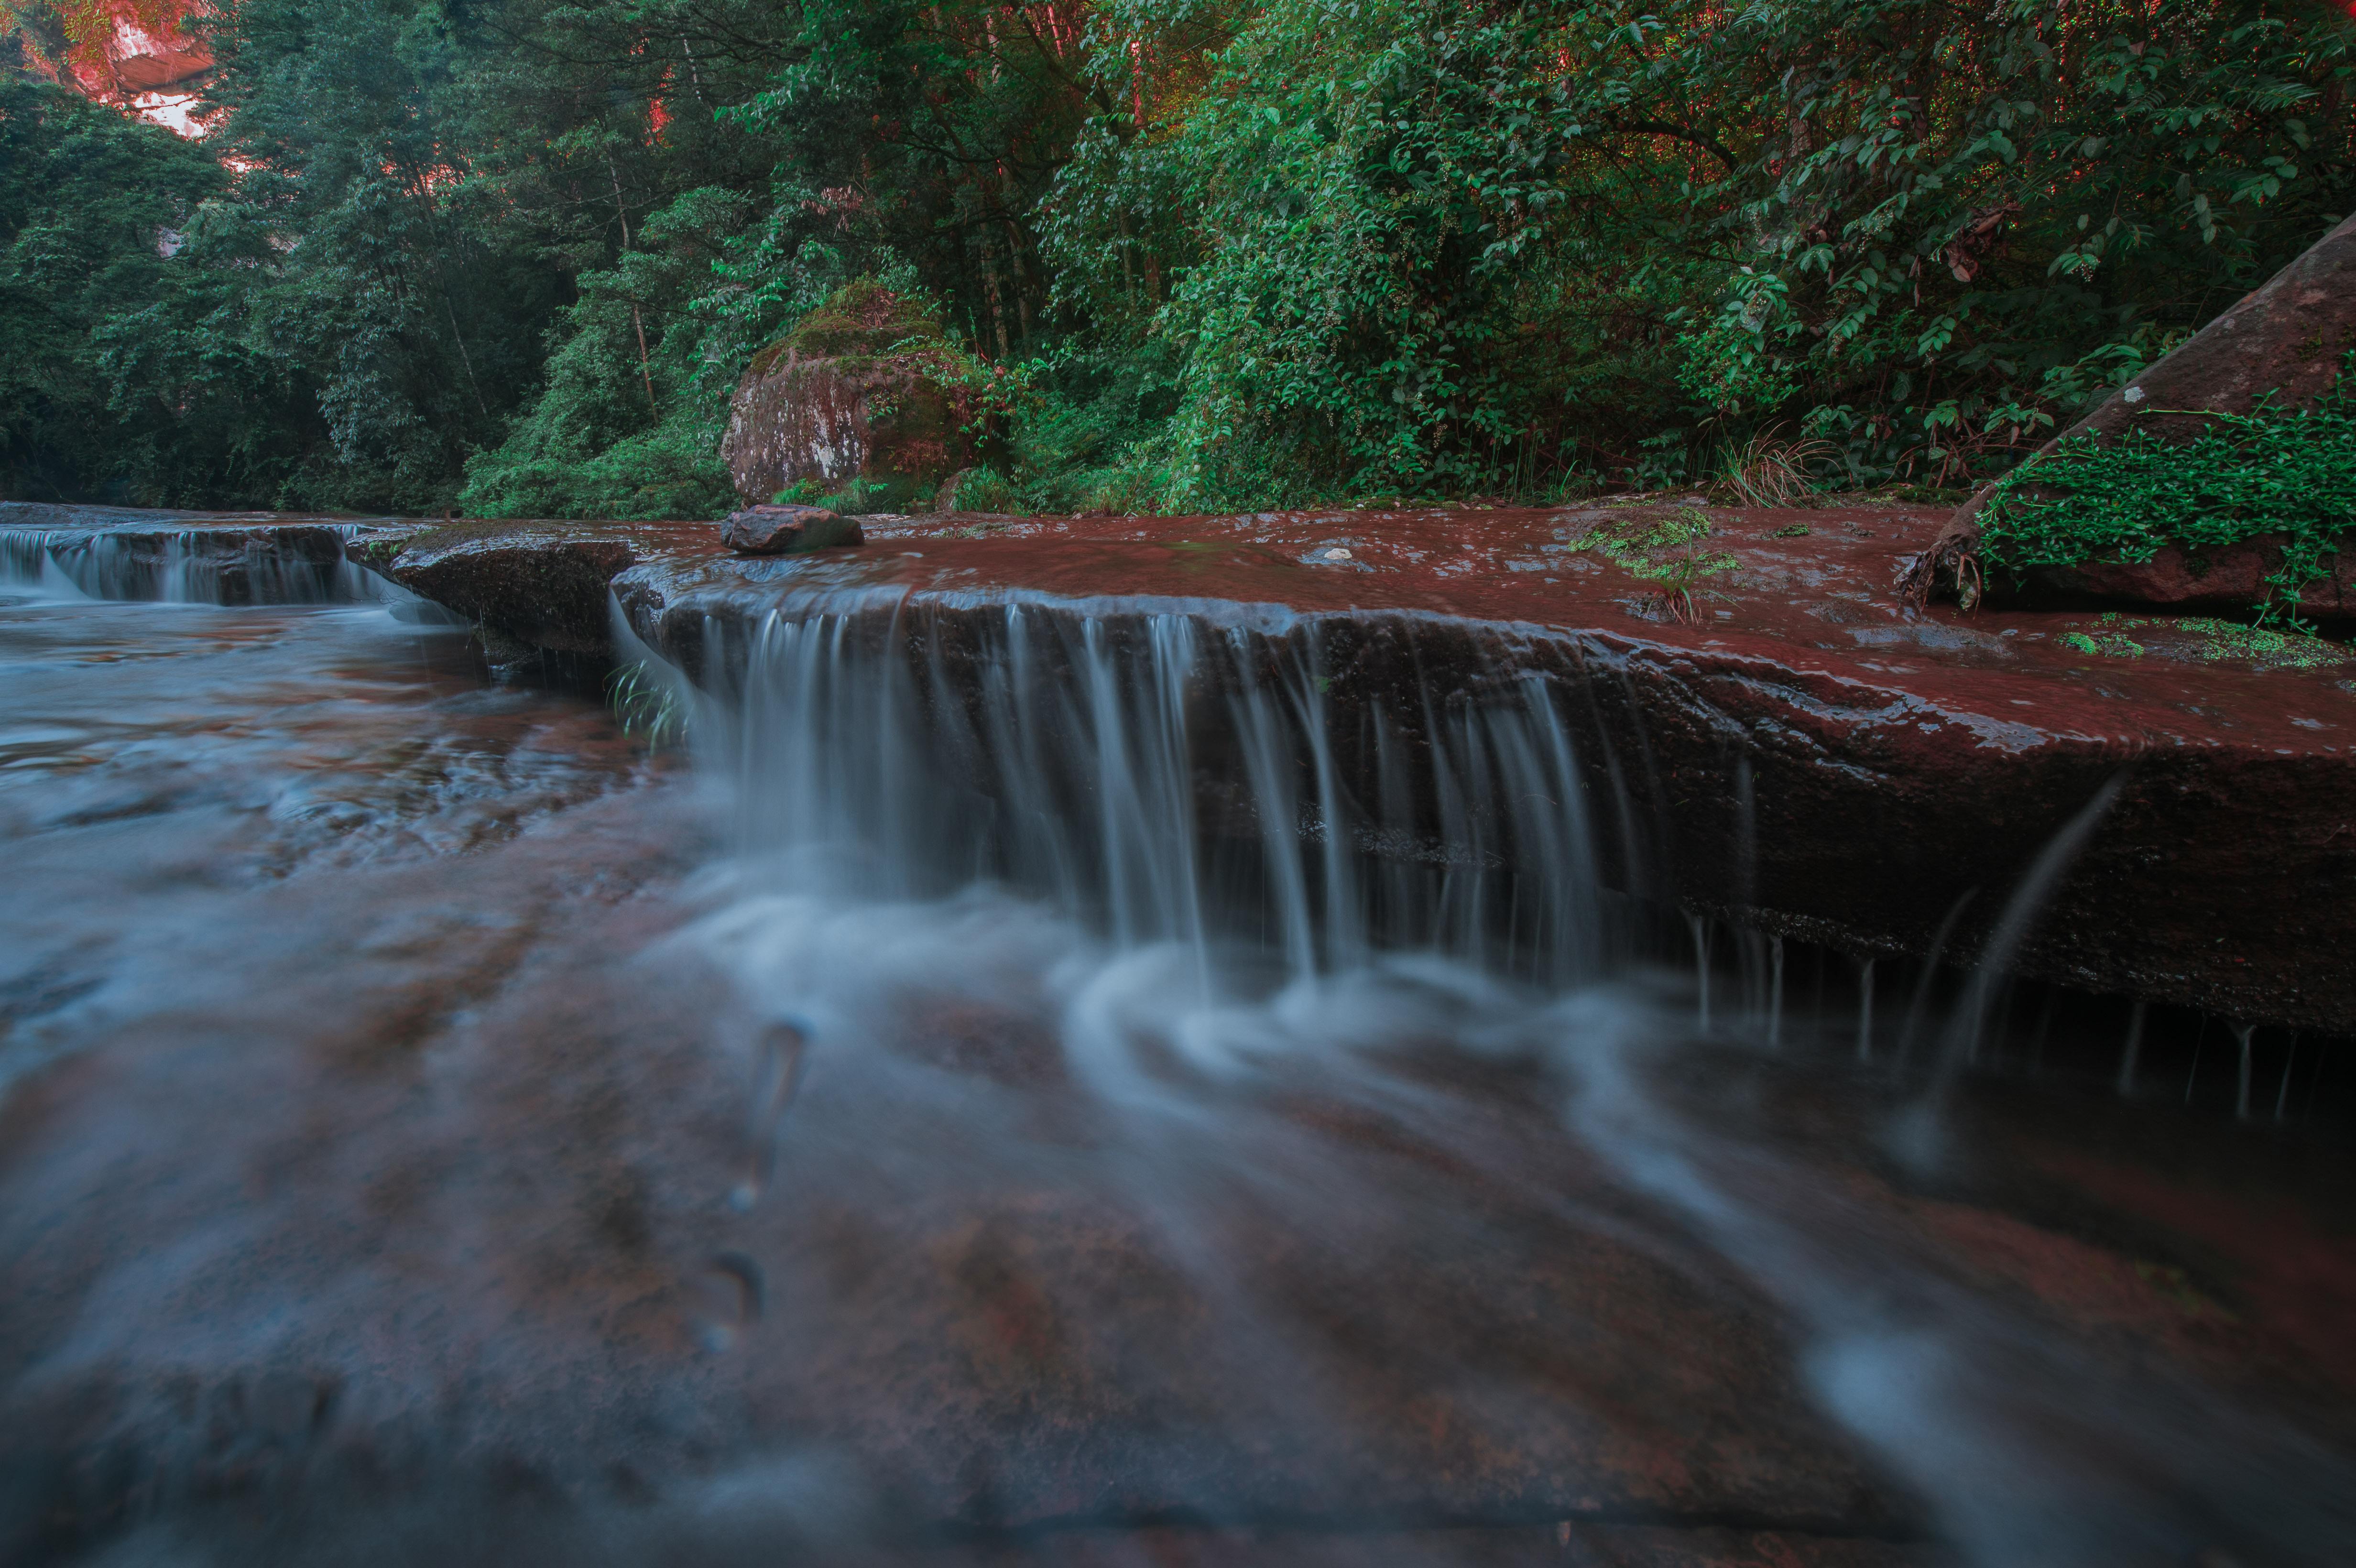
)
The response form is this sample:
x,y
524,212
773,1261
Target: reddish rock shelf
x,y
1896,760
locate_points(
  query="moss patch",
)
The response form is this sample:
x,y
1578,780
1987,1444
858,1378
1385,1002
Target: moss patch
x,y
2207,641
1661,549
2273,472
861,320
1657,546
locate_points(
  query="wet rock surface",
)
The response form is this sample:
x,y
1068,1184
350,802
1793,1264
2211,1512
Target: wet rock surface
x,y
1872,765
241,557
1885,766
542,584
475,1292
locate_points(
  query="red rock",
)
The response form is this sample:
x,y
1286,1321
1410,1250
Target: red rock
x,y
1898,758
458,1262
125,56
2227,581
539,583
2287,336
779,530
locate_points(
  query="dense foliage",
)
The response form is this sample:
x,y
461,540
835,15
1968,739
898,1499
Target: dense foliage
x,y
512,255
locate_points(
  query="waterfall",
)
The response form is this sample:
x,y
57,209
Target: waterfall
x,y
1167,778
283,565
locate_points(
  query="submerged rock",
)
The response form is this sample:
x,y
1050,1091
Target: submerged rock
x,y
779,530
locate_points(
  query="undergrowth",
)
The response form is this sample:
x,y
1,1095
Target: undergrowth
x,y
2290,472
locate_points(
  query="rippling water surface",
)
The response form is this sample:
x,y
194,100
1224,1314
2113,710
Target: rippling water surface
x,y
436,1132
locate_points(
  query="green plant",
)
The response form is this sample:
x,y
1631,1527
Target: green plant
x,y
1661,549
2269,473
648,706
2263,645
985,490
516,254
864,497
2207,639
1767,471
2110,645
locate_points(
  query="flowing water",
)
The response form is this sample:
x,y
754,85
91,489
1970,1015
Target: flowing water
x,y
1014,1103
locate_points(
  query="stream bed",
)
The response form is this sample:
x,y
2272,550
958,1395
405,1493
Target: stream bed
x,y
437,1127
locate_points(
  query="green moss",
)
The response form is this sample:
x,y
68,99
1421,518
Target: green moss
x,y
2114,646
2289,473
2263,646
2210,641
1661,549
862,319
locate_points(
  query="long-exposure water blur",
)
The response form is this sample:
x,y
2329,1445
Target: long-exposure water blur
x,y
440,1126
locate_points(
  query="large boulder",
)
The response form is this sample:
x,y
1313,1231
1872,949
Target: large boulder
x,y
2286,339
865,388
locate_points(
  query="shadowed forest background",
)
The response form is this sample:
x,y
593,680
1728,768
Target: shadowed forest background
x,y
511,257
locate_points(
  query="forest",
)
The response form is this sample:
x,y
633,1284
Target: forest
x,y
510,258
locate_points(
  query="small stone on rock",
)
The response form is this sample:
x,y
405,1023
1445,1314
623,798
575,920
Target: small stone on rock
x,y
775,529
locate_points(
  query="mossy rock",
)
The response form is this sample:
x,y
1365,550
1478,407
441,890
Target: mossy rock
x,y
862,319
2222,477
863,393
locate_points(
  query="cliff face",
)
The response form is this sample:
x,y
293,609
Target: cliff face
x,y
139,53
